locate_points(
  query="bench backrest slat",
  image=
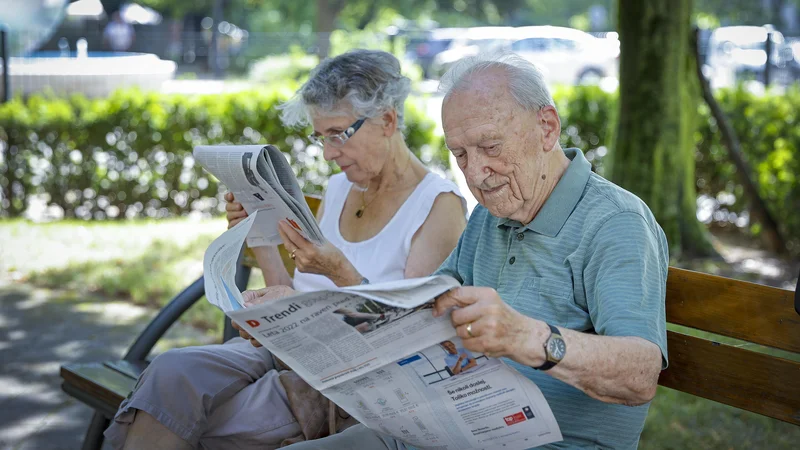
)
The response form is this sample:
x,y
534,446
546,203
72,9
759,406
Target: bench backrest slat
x,y
760,314
753,381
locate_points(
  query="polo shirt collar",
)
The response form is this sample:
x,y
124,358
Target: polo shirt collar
x,y
562,201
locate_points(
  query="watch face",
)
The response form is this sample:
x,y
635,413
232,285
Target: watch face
x,y
557,348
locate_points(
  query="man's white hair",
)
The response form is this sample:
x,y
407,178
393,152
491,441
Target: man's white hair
x,y
525,81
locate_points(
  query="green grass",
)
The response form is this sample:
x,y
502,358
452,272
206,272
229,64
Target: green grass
x,y
149,262
681,421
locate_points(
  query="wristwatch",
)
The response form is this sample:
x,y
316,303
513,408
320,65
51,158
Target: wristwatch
x,y
554,348
364,280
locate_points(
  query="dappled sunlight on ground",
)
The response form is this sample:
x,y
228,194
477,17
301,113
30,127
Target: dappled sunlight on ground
x,y
43,329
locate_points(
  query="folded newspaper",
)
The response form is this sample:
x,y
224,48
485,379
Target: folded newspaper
x,y
378,352
261,180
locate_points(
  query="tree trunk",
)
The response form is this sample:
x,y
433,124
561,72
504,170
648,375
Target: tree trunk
x,y
327,12
653,151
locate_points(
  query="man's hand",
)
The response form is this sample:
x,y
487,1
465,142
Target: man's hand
x,y
497,330
252,298
325,260
235,212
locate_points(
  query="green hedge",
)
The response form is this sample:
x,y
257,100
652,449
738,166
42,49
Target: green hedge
x,y
130,155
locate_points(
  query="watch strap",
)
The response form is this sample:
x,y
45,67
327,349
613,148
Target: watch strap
x,y
549,364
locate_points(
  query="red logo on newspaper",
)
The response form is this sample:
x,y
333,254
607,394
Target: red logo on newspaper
x,y
293,223
253,323
514,418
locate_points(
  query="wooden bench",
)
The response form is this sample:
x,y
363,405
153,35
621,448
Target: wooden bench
x,y
757,315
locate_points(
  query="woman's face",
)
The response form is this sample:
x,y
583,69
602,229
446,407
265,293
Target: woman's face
x,y
364,154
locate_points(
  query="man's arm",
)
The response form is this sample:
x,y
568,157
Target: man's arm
x,y
612,369
625,282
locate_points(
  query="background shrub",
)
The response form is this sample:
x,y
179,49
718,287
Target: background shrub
x,y
130,155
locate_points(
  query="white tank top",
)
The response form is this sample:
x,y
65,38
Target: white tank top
x,y
382,257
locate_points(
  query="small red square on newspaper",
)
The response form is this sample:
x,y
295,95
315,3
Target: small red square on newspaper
x,y
514,418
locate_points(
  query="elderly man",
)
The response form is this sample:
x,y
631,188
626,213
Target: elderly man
x,y
563,273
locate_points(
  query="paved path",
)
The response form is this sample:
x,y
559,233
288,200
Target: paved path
x,y
39,331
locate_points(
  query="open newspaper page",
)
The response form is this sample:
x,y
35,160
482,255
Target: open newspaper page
x,y
400,371
422,401
237,167
278,173
219,266
378,352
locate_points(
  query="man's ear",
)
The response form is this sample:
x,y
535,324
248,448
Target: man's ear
x,y
551,126
389,122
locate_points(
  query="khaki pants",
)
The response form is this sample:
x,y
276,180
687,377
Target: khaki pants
x,y
214,397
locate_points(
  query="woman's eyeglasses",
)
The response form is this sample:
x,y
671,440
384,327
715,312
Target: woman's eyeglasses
x,y
337,140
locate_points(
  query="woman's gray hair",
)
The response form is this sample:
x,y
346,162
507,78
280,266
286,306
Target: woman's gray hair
x,y
525,81
365,83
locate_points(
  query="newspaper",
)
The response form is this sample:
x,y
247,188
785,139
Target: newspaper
x,y
378,352
261,180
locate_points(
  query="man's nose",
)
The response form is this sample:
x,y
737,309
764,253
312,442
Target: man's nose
x,y
475,171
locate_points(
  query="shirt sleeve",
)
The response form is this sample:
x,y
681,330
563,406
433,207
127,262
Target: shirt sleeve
x,y
625,278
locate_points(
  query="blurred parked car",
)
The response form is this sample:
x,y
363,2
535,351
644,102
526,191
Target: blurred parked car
x,y
422,50
470,42
568,56
738,53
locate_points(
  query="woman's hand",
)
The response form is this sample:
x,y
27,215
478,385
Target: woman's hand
x,y
235,212
252,298
326,260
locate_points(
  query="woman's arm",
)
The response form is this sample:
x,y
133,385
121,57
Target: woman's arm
x,y
272,268
437,237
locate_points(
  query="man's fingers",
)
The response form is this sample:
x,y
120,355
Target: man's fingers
x,y
255,343
453,297
467,314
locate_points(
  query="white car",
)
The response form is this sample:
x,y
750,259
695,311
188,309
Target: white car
x,y
739,51
566,55
471,42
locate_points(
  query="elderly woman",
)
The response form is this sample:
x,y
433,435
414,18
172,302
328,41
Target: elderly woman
x,y
386,217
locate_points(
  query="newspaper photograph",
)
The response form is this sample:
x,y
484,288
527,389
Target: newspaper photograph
x,y
261,179
378,352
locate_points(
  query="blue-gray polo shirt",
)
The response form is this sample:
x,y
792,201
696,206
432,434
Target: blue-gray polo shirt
x,y
594,260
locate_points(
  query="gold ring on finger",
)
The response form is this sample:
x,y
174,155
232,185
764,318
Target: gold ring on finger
x,y
293,254
469,330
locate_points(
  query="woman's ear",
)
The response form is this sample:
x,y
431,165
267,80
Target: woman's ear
x,y
389,122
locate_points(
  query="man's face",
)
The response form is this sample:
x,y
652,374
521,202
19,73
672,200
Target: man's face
x,y
450,347
497,144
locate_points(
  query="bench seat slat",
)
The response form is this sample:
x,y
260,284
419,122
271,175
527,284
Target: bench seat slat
x,y
98,380
752,381
751,312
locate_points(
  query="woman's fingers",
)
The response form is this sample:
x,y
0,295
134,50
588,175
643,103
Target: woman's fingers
x,y
292,240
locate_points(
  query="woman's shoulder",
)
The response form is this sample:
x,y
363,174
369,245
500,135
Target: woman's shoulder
x,y
436,184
